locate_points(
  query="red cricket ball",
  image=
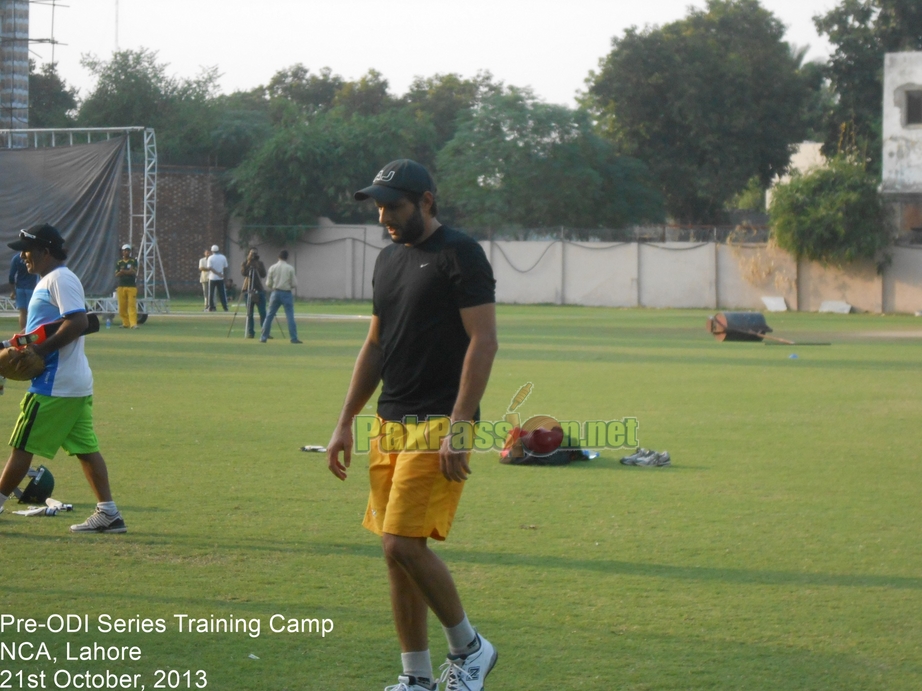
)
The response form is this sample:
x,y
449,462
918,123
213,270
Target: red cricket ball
x,y
543,441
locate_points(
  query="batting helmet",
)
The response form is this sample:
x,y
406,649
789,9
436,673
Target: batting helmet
x,y
40,486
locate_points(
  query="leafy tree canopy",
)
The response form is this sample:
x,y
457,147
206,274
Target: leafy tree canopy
x,y
243,122
707,103
312,169
821,98
862,31
300,146
295,93
133,88
368,96
442,99
51,102
517,161
831,214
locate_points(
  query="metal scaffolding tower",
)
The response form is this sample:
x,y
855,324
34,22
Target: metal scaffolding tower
x,y
150,266
14,63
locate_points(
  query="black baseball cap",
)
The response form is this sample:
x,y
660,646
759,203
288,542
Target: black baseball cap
x,y
397,179
44,235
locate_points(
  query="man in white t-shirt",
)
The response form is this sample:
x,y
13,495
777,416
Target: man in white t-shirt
x,y
57,411
217,267
203,276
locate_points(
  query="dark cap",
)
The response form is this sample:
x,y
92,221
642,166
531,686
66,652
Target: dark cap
x,y
45,235
397,179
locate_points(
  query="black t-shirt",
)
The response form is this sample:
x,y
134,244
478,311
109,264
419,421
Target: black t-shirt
x,y
418,294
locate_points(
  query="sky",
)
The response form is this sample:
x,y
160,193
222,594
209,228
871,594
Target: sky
x,y
548,45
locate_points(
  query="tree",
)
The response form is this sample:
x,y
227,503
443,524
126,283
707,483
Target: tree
x,y
820,101
707,103
831,214
312,168
51,102
515,161
242,124
296,93
368,96
133,88
862,31
190,120
442,100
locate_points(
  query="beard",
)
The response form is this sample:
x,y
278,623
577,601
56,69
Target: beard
x,y
412,230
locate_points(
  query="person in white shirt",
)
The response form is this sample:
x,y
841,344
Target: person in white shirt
x,y
282,282
57,410
203,276
217,270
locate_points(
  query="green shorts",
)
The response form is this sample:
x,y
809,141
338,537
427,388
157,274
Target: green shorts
x,y
48,423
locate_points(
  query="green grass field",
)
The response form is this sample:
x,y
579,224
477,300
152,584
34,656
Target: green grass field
x,y
779,552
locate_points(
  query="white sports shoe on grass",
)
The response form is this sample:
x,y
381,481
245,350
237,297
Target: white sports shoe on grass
x,y
101,522
468,672
656,459
632,459
406,682
646,457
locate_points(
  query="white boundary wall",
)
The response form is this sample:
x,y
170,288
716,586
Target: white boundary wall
x,y
337,262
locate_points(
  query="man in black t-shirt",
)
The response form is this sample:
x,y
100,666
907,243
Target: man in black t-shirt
x,y
431,344
254,272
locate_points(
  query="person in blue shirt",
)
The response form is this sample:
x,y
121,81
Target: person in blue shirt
x,y
23,284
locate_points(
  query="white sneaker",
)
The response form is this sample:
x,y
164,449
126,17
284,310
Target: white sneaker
x,y
656,459
646,457
468,672
634,457
101,522
406,682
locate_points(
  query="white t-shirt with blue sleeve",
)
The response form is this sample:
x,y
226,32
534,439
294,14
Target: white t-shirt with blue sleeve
x,y
67,372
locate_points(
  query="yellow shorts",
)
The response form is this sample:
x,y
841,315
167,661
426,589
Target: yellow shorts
x,y
409,495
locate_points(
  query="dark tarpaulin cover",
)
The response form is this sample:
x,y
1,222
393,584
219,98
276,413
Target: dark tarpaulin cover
x,y
75,189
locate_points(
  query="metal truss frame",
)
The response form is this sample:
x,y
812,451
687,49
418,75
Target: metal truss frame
x,y
150,265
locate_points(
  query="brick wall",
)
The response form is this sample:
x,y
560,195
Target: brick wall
x,y
191,217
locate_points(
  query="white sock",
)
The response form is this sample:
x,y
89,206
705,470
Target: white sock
x,y
3,499
107,507
462,639
417,664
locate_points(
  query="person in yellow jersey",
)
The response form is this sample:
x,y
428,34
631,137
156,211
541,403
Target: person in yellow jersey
x,y
126,271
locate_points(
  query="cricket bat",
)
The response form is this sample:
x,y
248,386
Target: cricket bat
x,y
45,331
